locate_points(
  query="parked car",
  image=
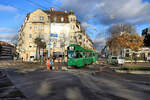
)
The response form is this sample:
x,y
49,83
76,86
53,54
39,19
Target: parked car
x,y
116,60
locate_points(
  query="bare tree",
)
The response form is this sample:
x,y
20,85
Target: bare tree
x,y
118,28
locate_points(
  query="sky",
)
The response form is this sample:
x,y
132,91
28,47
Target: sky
x,y
96,16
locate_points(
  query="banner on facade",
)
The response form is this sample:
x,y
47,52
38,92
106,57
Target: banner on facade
x,y
53,35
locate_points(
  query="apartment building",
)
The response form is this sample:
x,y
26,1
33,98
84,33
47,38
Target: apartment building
x,y
6,51
57,28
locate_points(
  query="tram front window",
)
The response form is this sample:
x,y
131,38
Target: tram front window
x,y
71,55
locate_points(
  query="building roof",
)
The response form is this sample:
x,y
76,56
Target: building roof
x,y
57,14
2,43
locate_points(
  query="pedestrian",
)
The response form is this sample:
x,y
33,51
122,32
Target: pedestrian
x,y
51,64
48,64
54,58
135,59
148,58
22,59
145,59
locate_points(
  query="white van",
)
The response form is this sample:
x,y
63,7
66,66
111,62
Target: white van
x,y
116,60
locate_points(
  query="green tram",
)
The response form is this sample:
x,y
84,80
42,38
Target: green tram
x,y
79,57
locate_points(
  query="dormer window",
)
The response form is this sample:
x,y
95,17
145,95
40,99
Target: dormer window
x,y
62,19
41,18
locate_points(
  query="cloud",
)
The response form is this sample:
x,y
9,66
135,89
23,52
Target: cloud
x,y
109,12
9,30
19,17
7,8
99,43
85,25
7,36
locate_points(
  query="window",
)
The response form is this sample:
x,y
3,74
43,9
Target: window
x,y
41,36
30,27
78,55
73,27
71,55
40,27
71,19
62,19
30,35
54,45
55,19
41,18
35,27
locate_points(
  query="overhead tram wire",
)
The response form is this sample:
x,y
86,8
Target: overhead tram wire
x,y
14,6
57,6
37,4
54,5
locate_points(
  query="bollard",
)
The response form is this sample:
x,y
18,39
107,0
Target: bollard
x,y
100,69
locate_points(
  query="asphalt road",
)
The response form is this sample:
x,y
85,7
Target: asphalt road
x,y
8,91
79,84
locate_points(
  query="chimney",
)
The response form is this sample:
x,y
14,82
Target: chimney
x,y
52,9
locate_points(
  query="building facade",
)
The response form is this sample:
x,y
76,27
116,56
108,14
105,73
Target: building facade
x,y
57,28
143,52
6,51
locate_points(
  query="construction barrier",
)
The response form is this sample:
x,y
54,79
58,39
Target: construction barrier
x,y
56,67
100,69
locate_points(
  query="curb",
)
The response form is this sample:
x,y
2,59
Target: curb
x,y
133,71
